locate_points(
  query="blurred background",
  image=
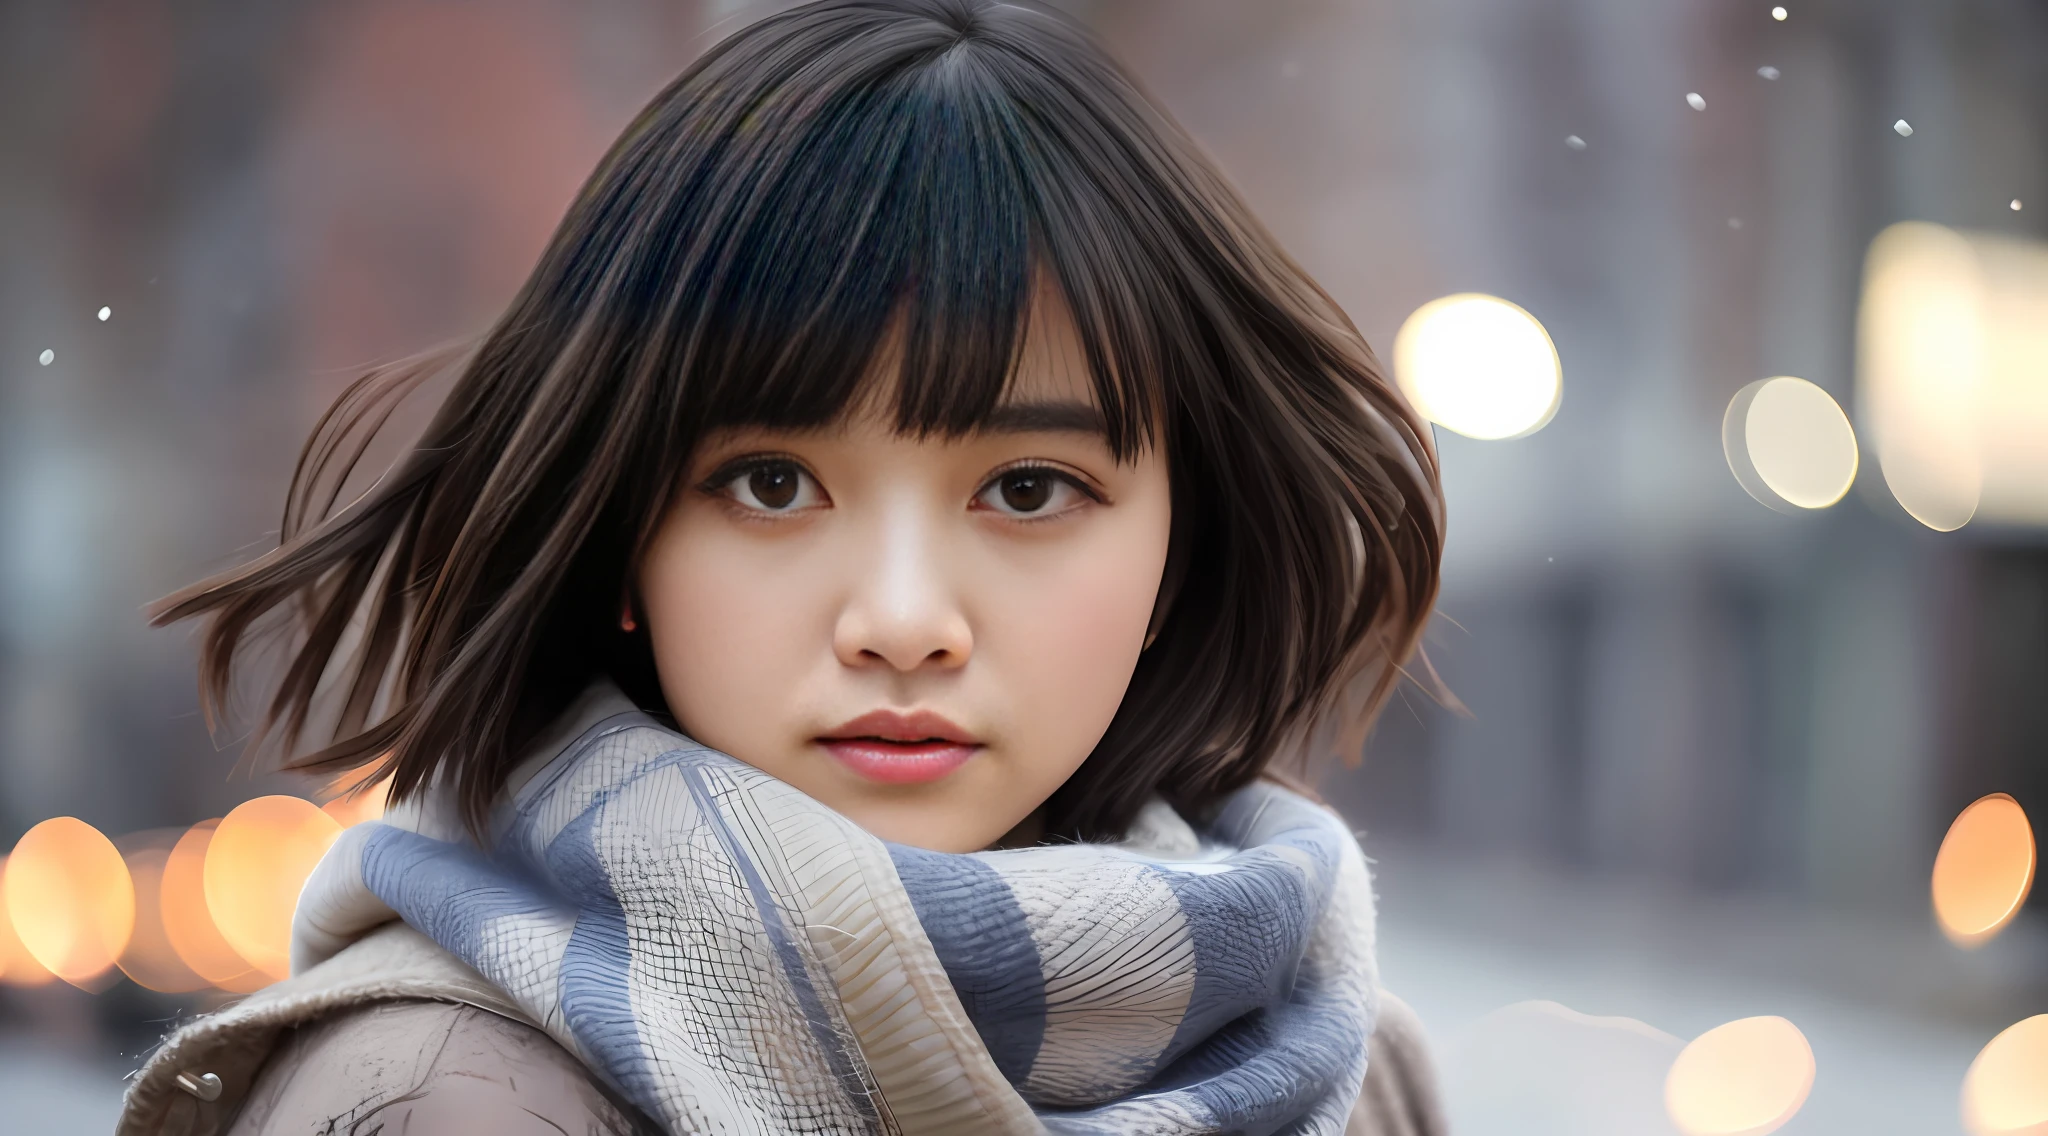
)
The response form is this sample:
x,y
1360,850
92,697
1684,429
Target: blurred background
x,y
1723,695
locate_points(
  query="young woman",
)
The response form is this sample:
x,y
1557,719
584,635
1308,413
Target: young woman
x,y
840,645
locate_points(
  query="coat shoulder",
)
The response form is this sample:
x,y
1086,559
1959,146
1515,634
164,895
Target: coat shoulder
x,y
424,1066
1400,1096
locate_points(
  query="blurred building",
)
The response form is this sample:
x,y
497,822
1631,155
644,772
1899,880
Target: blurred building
x,y
1669,686
1663,677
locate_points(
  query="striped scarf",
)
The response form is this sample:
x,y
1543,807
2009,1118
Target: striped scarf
x,y
732,956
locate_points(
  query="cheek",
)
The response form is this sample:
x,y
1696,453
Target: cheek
x,y
1068,639
721,615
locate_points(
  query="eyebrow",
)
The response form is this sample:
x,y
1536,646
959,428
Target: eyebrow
x,y
1057,417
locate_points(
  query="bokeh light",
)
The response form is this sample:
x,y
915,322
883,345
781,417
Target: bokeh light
x,y
1921,342
1950,336
1479,366
257,861
17,966
1984,870
1745,1078
1789,444
150,959
2005,1092
70,899
188,924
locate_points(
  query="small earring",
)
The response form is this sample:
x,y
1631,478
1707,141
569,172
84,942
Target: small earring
x,y
626,621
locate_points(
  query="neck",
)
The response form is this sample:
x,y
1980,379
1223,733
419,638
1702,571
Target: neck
x,y
1026,833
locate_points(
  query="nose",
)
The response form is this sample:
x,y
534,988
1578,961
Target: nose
x,y
902,611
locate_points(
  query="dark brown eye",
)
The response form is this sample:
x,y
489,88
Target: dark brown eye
x,y
1035,492
774,486
768,484
1026,490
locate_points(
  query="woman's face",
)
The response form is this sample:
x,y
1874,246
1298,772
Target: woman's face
x,y
929,636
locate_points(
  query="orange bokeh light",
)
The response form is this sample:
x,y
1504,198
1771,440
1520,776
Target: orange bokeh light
x,y
257,861
17,966
1984,869
70,899
151,960
189,925
2005,1092
1745,1078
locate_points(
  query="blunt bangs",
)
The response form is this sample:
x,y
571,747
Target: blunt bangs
x,y
840,177
873,180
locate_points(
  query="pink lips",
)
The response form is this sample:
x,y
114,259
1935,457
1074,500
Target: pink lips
x,y
901,749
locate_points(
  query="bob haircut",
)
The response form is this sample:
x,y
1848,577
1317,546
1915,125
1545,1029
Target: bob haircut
x,y
842,172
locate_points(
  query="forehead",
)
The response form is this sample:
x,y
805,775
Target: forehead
x,y
1052,364
938,362
1050,387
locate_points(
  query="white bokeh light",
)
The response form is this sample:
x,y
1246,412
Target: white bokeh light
x,y
1951,334
1479,366
1789,444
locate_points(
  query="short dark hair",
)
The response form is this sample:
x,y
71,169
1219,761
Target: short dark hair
x,y
832,174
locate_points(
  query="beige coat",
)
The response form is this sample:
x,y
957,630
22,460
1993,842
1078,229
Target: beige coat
x,y
394,1035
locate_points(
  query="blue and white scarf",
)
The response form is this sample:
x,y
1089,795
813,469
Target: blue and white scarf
x,y
734,957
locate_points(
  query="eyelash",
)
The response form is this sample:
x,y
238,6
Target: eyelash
x,y
1031,465
720,483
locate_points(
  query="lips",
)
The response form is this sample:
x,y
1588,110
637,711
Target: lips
x,y
894,748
